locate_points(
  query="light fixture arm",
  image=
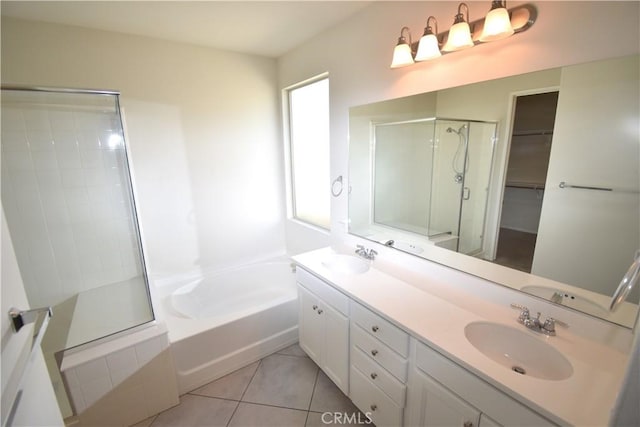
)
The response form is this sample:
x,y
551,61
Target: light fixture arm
x,y
402,39
497,4
459,17
428,29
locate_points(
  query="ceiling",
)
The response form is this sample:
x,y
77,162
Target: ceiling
x,y
267,28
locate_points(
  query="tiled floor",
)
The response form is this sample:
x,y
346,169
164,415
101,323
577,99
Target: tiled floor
x,y
283,389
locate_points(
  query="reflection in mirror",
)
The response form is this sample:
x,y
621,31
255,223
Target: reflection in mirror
x,y
538,173
440,190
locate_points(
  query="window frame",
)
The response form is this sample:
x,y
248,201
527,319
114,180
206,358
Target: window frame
x,y
289,155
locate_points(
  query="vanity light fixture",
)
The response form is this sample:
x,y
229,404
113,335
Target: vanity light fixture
x,y
460,33
429,47
499,23
402,54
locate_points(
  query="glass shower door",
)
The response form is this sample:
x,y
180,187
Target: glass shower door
x,y
67,197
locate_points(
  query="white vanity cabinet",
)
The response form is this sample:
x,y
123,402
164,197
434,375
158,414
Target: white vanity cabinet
x,y
379,366
324,327
442,393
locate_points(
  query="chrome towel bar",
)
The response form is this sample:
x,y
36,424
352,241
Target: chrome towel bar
x,y
587,187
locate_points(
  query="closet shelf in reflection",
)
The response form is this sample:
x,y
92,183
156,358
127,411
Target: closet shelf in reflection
x,y
533,132
525,185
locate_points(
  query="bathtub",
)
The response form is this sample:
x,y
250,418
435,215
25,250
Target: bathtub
x,y
221,322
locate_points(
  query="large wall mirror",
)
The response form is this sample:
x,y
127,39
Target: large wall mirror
x,y
530,181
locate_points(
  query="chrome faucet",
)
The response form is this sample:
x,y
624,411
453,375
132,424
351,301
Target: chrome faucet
x,y
548,327
369,254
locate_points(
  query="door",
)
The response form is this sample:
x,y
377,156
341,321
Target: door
x,y
37,403
336,347
311,329
526,176
432,405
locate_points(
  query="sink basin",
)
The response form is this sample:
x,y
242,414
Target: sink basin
x,y
348,264
518,350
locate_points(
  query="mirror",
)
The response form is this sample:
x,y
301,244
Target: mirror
x,y
530,181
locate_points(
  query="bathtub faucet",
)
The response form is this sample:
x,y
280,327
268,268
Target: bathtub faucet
x,y
366,253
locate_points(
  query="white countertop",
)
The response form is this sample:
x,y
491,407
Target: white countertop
x,y
585,398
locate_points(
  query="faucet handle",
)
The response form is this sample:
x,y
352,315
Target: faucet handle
x,y
524,312
549,326
372,254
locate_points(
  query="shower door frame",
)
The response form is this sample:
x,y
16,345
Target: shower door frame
x,y
134,207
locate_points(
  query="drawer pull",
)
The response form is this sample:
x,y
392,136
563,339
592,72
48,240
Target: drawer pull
x,y
467,424
320,311
374,352
374,328
315,307
374,376
374,407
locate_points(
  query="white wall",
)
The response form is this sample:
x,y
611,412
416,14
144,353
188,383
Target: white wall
x,y
38,405
203,128
357,54
600,156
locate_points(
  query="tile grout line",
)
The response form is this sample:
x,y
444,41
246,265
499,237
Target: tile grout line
x,y
244,392
315,383
155,417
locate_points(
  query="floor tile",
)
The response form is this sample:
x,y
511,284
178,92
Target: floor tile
x,y
231,386
293,350
250,415
197,411
327,397
285,381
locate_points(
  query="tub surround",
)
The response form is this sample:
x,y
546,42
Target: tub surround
x,y
122,381
421,305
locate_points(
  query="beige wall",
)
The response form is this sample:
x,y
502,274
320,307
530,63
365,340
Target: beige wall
x,y
203,127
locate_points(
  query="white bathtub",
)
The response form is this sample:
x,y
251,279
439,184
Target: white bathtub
x,y
221,322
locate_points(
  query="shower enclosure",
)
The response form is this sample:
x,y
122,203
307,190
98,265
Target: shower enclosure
x,y
431,177
67,197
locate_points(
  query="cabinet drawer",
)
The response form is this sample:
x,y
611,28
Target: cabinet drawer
x,y
494,403
386,332
326,292
383,355
373,402
379,376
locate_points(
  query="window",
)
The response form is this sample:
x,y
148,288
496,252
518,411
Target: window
x,y
309,151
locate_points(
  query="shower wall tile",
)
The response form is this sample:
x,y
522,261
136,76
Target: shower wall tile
x,y
65,140
14,140
12,119
18,160
40,140
68,158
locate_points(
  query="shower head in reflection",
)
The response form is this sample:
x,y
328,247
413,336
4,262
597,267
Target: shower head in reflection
x,y
460,155
459,131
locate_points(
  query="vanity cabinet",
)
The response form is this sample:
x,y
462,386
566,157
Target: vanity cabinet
x,y
435,406
324,327
442,393
379,366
